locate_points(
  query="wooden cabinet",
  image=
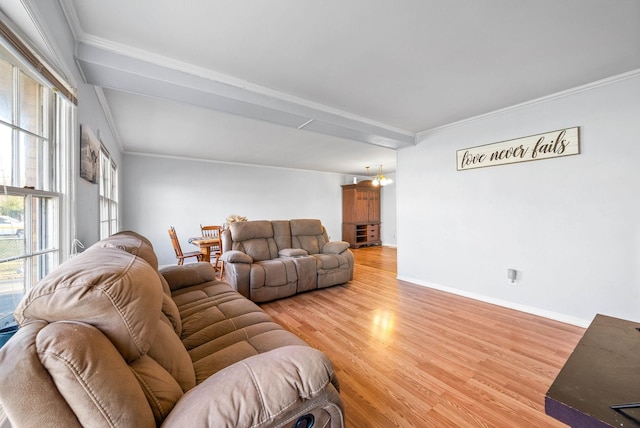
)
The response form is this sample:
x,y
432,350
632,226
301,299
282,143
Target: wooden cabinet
x,y
361,214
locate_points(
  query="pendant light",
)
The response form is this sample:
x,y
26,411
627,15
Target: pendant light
x,y
380,179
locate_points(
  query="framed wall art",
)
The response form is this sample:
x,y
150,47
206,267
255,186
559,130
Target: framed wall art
x,y
89,154
563,142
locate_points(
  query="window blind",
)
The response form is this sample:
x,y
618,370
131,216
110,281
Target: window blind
x,y
32,58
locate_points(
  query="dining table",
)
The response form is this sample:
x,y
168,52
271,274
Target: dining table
x,y
205,244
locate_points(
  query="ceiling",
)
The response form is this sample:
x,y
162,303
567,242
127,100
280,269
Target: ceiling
x,y
333,85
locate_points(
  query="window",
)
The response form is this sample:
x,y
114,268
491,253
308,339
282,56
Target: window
x,y
108,195
36,129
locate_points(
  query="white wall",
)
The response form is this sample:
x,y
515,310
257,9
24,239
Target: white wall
x,y
160,192
570,226
90,114
388,212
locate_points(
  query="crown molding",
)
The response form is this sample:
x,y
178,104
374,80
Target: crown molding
x,y
69,11
240,164
587,87
54,53
102,100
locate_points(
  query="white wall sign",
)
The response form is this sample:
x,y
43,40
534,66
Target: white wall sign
x,y
564,142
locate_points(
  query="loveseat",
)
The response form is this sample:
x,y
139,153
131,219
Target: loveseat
x,y
108,340
267,260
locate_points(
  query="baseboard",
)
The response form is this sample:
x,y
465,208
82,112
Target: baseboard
x,y
504,303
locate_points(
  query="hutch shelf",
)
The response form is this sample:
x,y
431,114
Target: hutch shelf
x,y
361,214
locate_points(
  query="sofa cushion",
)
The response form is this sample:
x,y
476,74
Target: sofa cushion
x,y
255,238
258,249
292,252
233,256
91,376
311,244
171,314
187,275
23,375
306,227
132,243
160,389
335,247
282,233
272,389
273,273
138,245
308,234
330,261
332,269
220,328
108,288
245,230
169,352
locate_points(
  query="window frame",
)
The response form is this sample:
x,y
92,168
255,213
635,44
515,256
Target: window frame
x,y
47,201
108,195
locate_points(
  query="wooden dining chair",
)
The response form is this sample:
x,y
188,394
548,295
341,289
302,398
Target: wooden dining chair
x,y
216,233
176,247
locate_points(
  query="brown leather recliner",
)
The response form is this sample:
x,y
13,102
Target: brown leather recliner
x,y
267,260
106,340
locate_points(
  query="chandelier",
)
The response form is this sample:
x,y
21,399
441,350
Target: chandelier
x,y
380,179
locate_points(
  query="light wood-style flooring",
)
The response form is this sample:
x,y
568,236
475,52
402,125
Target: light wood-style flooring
x,y
410,356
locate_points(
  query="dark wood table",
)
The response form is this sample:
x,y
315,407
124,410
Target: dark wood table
x,y
603,370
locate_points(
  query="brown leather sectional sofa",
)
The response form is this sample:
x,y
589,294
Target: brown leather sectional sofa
x,y
267,260
107,340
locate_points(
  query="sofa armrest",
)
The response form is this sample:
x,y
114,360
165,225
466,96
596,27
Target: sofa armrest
x,y
234,256
292,252
269,389
187,275
335,247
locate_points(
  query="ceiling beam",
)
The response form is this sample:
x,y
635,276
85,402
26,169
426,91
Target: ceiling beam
x,y
107,68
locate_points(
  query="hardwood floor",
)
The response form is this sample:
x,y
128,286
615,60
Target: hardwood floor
x,y
410,356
